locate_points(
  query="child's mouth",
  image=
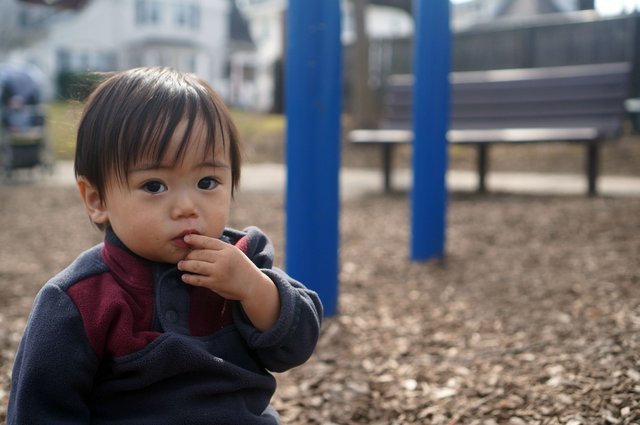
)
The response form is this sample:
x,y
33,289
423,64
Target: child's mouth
x,y
179,240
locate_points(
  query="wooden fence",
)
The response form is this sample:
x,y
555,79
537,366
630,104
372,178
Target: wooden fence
x,y
546,40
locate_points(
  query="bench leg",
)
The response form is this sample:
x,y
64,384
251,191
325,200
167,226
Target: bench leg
x,y
387,162
483,158
592,167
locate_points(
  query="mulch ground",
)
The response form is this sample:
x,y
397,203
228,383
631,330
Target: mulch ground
x,y
533,317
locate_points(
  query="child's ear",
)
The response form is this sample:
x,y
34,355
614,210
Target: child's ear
x,y
93,203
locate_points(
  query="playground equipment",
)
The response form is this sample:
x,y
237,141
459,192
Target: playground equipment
x,y
313,107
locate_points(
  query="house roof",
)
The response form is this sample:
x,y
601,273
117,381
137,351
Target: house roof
x,y
239,29
510,7
59,4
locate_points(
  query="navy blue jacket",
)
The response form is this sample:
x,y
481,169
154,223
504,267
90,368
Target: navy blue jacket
x,y
116,339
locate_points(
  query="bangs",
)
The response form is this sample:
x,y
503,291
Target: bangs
x,y
132,117
149,136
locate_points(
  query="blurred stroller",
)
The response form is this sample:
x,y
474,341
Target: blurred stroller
x,y
23,135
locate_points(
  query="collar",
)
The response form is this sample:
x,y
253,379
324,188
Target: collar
x,y
128,268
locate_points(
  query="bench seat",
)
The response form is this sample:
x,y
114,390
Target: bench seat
x,y
571,104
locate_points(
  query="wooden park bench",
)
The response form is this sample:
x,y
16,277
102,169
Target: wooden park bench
x,y
570,104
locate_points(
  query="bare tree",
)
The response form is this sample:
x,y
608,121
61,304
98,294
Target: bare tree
x,y
362,109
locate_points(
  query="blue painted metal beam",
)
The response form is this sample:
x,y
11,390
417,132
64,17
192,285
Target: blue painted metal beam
x,y
313,107
432,57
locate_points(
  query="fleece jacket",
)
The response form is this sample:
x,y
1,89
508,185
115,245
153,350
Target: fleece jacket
x,y
117,339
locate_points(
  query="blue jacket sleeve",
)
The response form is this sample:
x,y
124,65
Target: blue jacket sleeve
x,y
55,365
292,340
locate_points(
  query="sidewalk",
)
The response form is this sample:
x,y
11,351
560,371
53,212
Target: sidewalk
x,y
356,182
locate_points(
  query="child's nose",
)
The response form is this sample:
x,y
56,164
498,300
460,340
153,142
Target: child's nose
x,y
184,206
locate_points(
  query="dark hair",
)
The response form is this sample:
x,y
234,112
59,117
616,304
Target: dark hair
x,y
133,114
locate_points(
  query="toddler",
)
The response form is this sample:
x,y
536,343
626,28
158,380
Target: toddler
x,y
175,318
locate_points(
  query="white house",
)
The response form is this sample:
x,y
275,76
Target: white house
x,y
267,25
266,22
190,35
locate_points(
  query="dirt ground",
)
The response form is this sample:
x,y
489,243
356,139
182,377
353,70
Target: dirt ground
x,y
533,317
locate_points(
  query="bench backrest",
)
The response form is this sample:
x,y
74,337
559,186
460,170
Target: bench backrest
x,y
557,97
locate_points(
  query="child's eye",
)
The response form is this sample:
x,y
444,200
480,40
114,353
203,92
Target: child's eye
x,y
207,183
154,187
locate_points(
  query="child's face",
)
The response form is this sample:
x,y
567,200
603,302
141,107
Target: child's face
x,y
160,203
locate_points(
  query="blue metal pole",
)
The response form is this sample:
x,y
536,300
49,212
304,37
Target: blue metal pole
x,y
313,107
432,46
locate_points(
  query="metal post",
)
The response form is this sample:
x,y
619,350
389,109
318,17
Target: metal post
x,y
387,165
432,51
483,157
592,162
313,106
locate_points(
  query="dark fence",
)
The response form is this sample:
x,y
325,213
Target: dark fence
x,y
549,40
544,40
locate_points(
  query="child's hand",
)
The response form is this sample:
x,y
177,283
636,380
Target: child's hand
x,y
226,270
219,266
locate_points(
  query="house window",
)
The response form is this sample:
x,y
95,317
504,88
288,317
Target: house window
x,y
265,28
63,59
248,73
106,61
192,64
194,16
83,61
147,12
181,15
187,16
140,11
23,19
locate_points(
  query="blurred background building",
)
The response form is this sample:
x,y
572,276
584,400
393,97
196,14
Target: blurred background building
x,y
239,45
208,37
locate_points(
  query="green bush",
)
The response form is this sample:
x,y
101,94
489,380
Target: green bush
x,y
77,85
